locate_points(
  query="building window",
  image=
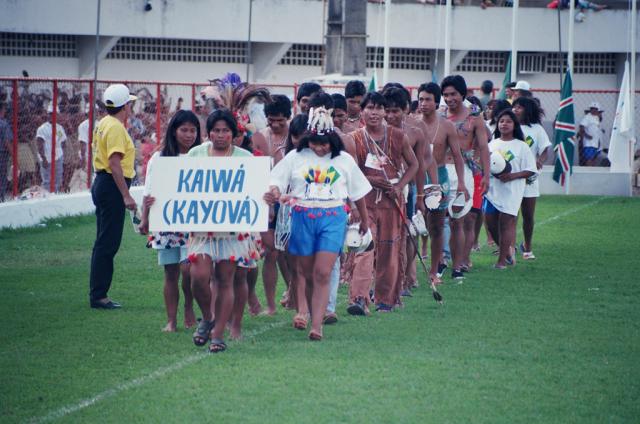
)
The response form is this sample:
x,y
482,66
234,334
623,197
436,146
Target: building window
x,y
400,58
304,55
38,45
174,50
483,61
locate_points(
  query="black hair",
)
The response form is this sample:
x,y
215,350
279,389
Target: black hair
x,y
486,87
306,89
280,105
297,127
457,82
498,107
532,112
114,110
222,115
247,143
170,146
320,98
413,106
354,88
397,85
395,97
339,101
511,85
432,88
373,97
517,131
332,138
475,101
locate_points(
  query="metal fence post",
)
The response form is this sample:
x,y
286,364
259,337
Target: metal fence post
x,y
14,118
54,134
89,156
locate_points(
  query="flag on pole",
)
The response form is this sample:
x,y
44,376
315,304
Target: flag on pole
x,y
373,84
564,131
621,134
502,95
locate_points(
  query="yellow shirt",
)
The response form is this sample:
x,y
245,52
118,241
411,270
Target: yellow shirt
x,y
110,137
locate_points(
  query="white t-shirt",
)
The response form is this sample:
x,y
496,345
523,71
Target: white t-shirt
x,y
507,197
147,179
591,124
317,179
44,132
83,131
537,139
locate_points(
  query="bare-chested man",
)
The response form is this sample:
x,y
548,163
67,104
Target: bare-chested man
x,y
353,92
272,142
305,91
472,135
380,153
442,135
397,98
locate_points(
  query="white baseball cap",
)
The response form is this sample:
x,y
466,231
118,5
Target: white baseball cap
x,y
595,105
498,164
522,85
117,95
50,108
357,242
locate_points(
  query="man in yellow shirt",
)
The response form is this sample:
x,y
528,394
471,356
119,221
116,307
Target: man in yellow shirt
x,y
113,158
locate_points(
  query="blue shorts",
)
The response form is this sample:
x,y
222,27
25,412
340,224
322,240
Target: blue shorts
x,y
173,255
589,153
317,230
488,208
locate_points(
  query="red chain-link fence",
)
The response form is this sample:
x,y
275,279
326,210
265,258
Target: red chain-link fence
x,y
32,155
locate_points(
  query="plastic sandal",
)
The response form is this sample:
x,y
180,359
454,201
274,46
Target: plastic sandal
x,y
201,335
217,346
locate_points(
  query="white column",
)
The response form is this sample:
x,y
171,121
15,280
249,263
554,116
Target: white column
x,y
632,76
514,46
385,57
447,39
572,21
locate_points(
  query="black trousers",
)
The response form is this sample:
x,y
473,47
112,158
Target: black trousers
x,y
109,225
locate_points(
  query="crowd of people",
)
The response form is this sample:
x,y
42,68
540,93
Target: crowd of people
x,y
359,169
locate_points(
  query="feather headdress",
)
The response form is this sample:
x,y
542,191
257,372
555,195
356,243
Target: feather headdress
x,y
320,121
237,96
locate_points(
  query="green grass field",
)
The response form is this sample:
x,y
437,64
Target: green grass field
x,y
556,340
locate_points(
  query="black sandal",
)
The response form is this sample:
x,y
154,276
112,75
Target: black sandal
x,y
202,333
217,346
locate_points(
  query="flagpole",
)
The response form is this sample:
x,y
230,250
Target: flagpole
x,y
567,185
385,57
632,77
514,47
447,38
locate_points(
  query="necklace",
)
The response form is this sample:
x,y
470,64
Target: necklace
x,y
375,143
357,118
276,147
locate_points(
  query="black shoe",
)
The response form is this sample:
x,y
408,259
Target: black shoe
x,y
441,268
105,305
356,308
457,274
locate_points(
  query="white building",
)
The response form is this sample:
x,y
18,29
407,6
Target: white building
x,y
194,40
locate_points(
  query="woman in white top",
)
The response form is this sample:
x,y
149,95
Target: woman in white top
x,y
320,176
502,201
183,133
529,114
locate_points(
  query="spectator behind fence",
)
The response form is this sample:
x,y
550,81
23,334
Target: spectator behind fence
x,y
486,88
6,141
521,89
113,161
45,151
590,134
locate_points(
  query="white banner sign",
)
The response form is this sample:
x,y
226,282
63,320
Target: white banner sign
x,y
209,194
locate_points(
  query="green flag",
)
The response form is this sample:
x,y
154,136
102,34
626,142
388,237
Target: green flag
x,y
564,131
502,95
373,84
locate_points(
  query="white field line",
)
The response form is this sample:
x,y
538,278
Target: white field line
x,y
570,211
160,372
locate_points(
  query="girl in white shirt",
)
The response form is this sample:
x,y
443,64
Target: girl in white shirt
x,y
504,197
320,176
529,114
183,133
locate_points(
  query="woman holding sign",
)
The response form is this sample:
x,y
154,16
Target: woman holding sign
x,y
220,250
320,176
183,133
